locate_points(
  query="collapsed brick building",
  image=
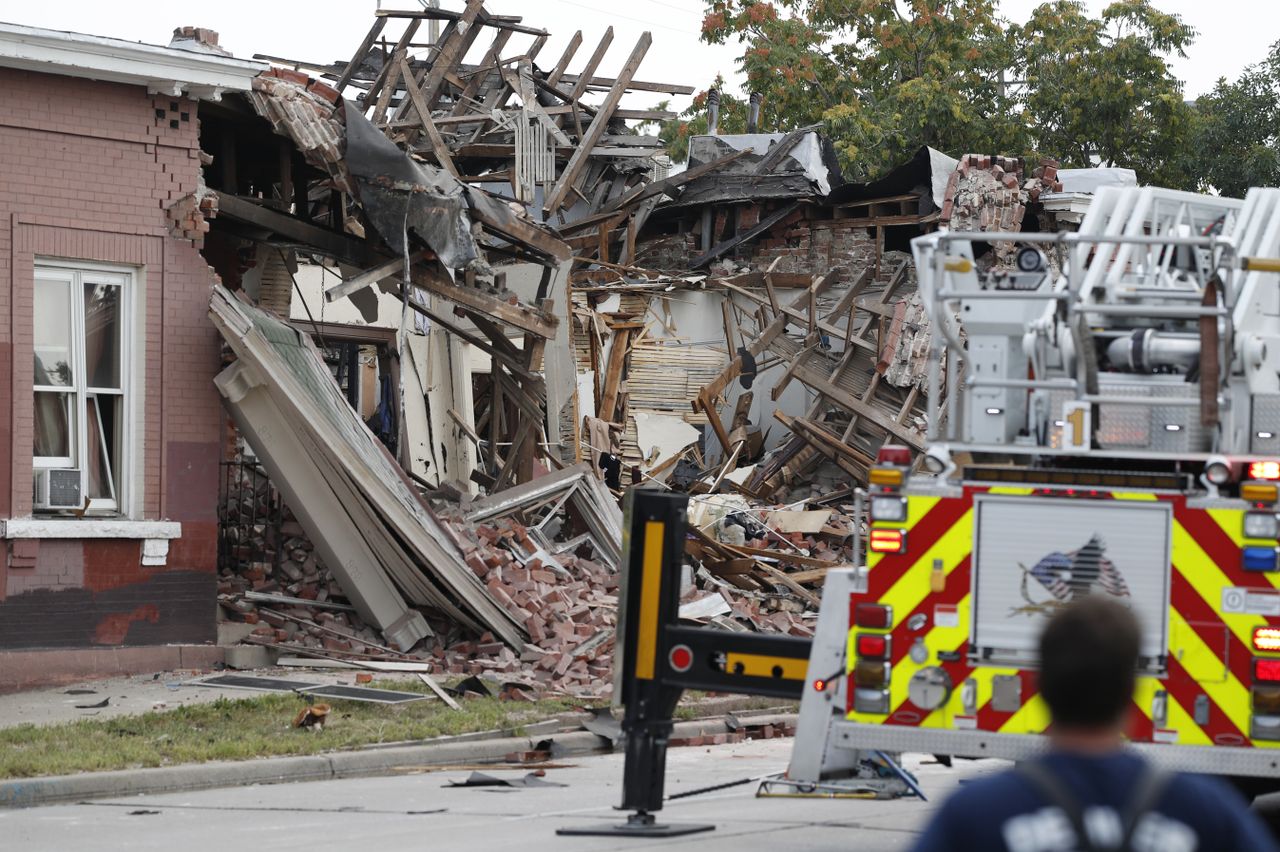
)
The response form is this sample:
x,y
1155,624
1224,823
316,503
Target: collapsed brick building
x,y
447,294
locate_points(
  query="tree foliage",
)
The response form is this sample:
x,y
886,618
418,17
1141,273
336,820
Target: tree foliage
x,y
887,76
1100,89
1237,130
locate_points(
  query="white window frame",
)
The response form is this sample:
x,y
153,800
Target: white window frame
x,y
76,275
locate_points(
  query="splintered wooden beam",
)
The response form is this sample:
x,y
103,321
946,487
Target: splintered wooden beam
x,y
523,318
361,52
465,32
424,113
598,126
384,86
488,66
370,277
613,373
323,241
509,23
635,86
592,64
565,59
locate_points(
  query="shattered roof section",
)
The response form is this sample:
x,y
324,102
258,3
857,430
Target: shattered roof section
x,y
401,195
387,182
800,164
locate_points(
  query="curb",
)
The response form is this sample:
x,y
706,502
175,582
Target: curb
x,y
61,789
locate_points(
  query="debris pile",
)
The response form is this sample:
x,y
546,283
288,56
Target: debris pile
x,y
569,319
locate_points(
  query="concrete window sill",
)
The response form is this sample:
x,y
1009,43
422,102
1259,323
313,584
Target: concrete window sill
x,y
88,528
155,535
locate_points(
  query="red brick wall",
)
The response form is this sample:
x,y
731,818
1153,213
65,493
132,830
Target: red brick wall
x,y
89,170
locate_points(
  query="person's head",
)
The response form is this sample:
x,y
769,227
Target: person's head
x,y
1088,664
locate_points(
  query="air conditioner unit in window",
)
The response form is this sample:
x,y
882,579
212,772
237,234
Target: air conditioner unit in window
x,y
58,488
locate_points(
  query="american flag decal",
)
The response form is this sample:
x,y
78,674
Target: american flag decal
x,y
1072,575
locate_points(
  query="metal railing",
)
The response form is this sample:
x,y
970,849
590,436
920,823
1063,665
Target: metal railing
x,y
250,516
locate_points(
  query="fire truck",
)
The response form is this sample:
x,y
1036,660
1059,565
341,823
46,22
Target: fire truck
x,y
1111,426
1104,418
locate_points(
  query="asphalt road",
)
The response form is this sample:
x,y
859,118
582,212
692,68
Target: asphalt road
x,y
416,810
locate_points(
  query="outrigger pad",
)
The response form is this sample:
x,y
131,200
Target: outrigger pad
x,y
637,825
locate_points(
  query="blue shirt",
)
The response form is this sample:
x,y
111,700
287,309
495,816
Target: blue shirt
x,y
1005,813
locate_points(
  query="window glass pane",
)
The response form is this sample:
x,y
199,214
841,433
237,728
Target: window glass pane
x,y
102,335
53,334
101,421
53,424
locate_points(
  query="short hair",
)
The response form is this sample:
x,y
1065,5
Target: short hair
x,y
1088,662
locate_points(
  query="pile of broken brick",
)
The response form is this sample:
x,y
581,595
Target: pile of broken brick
x,y
745,577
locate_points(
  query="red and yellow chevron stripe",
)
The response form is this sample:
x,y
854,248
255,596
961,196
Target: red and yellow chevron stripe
x,y
1210,652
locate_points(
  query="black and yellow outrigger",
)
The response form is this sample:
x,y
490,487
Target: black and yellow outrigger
x,y
657,659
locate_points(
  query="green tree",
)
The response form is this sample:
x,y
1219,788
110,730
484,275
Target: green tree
x,y
1236,142
1101,90
886,77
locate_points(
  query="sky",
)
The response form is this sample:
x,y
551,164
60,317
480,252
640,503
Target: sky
x,y
1232,33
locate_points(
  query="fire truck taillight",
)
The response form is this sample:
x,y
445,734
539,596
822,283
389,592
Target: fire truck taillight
x,y
887,541
872,646
1264,470
896,454
1267,639
870,674
1266,671
873,615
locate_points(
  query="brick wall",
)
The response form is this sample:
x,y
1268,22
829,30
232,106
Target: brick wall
x,y
106,172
